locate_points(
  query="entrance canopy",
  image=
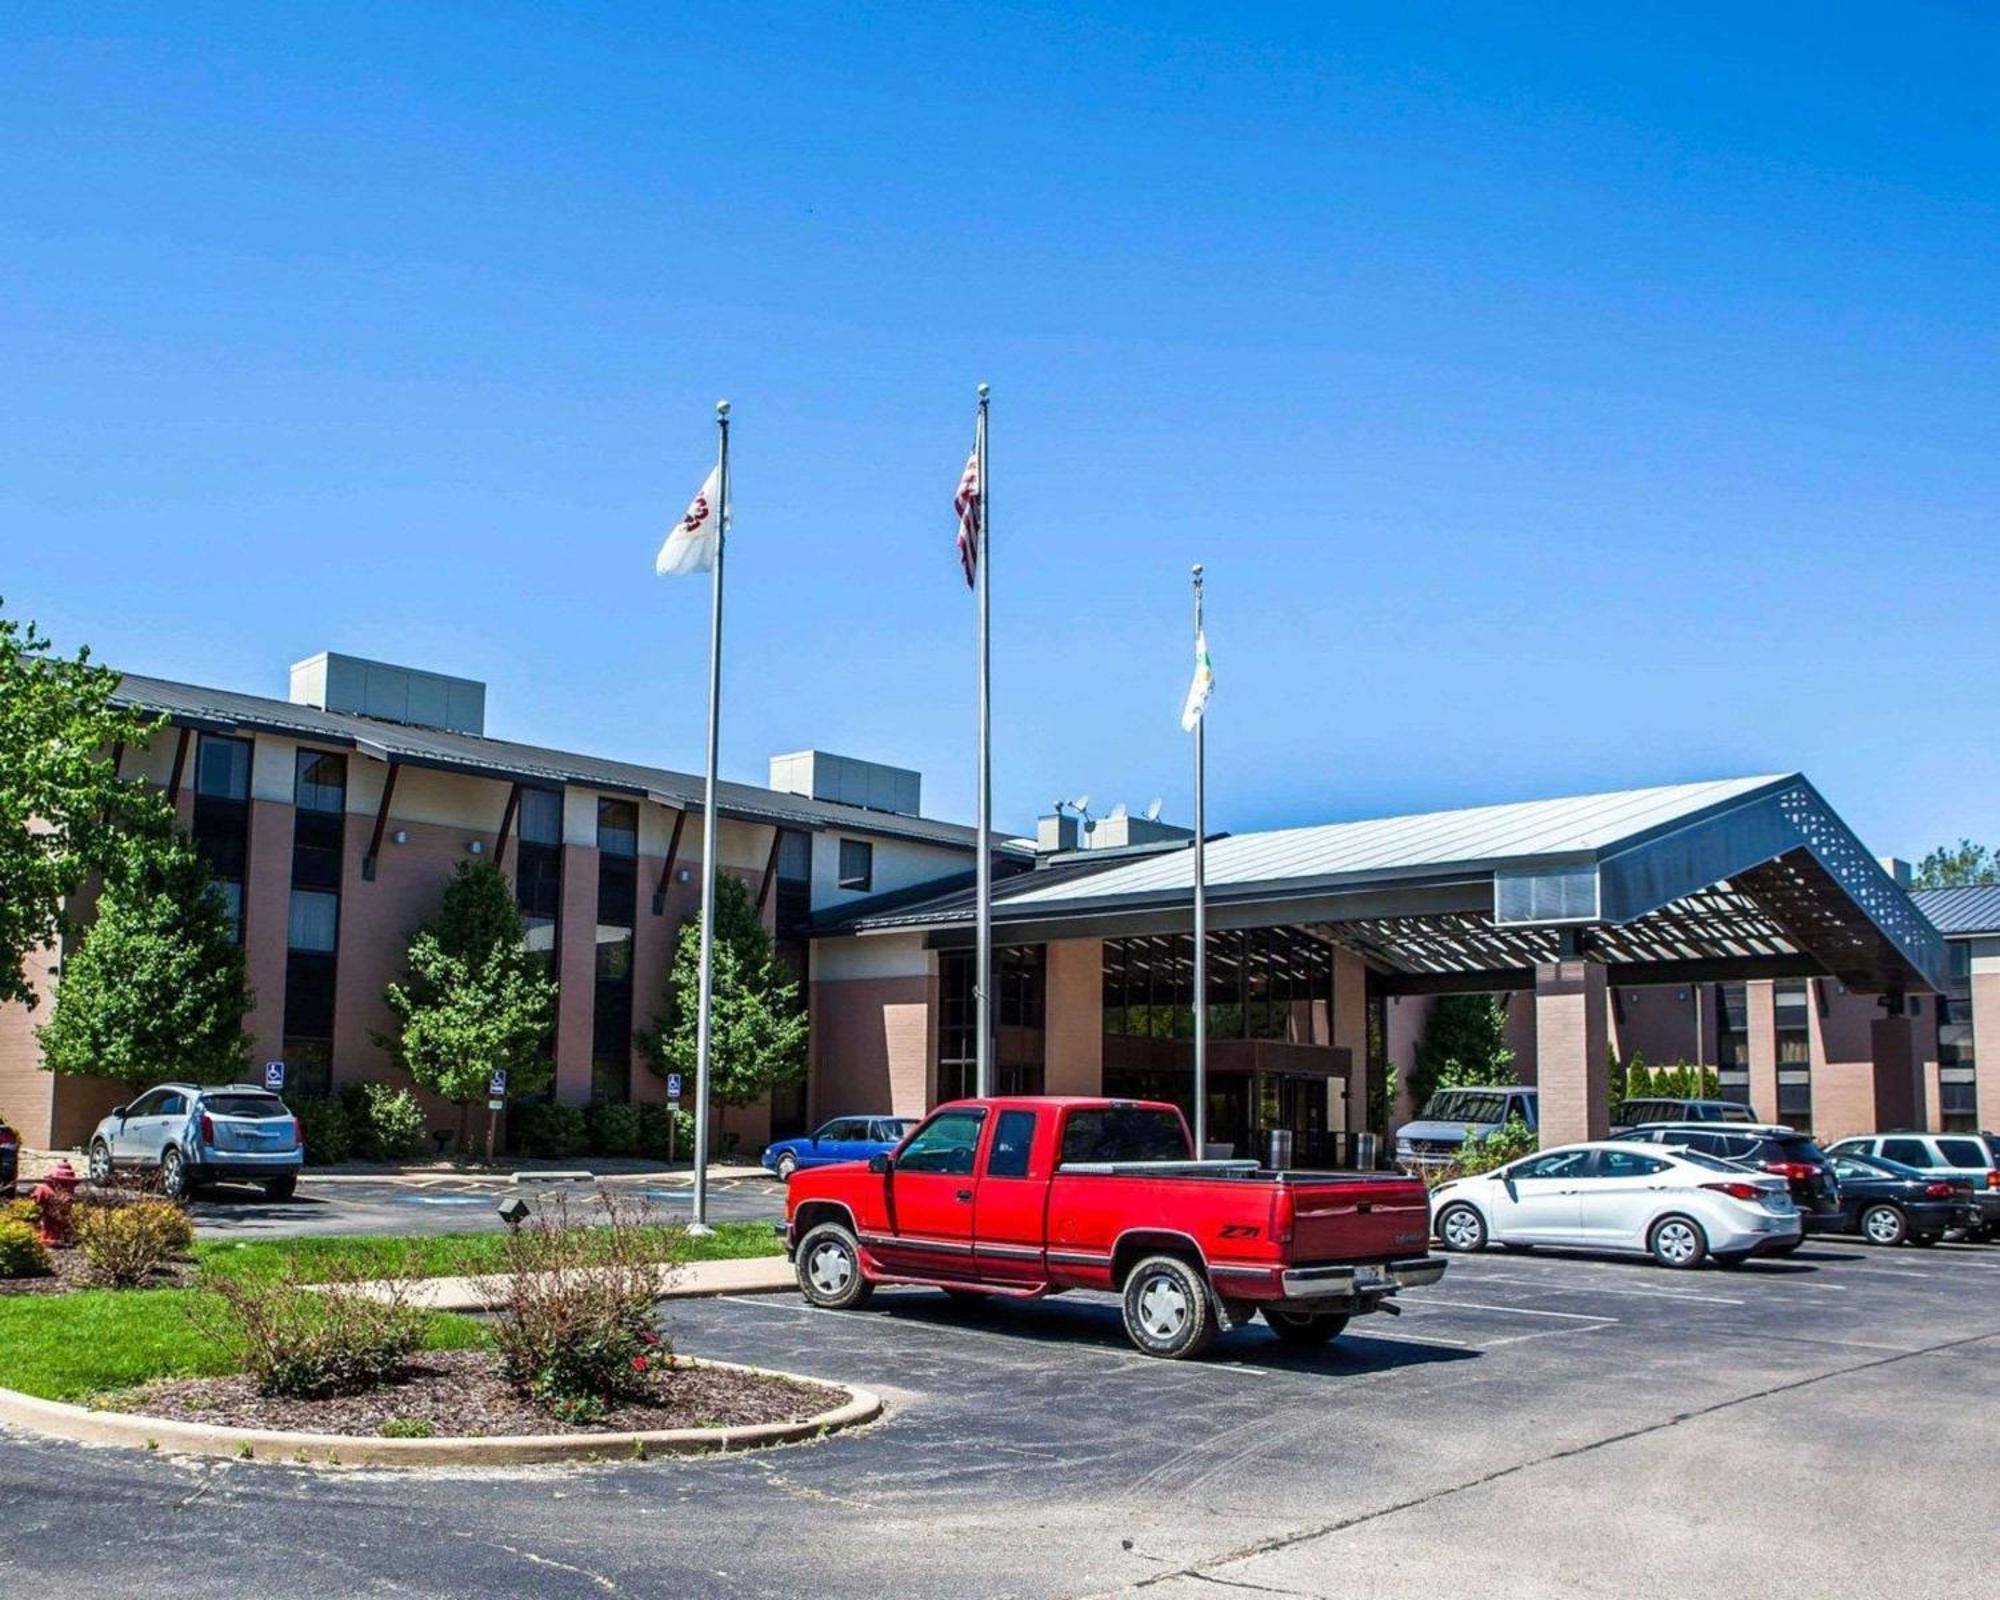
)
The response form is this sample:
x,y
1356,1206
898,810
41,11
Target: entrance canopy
x,y
1732,879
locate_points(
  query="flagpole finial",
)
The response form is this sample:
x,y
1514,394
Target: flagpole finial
x,y
722,408
985,389
1197,572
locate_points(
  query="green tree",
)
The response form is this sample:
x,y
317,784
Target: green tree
x,y
477,1001
63,812
1958,866
155,988
759,1028
1464,1044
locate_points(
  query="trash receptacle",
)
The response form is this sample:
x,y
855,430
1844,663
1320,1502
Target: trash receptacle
x,y
1367,1151
1278,1149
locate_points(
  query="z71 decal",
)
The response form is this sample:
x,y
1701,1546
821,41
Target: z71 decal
x,y
1239,1230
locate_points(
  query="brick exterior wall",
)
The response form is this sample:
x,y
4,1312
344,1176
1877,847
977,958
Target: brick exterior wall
x,y
874,1040
1572,1020
1073,1040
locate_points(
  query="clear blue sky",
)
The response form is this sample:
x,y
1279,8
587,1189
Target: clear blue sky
x,y
1561,398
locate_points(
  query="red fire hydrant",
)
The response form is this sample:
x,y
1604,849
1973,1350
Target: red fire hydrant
x,y
55,1200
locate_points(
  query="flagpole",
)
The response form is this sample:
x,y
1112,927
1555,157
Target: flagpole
x,y
710,848
1200,908
983,972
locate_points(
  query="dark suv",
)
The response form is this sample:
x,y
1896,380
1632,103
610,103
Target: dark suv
x,y
1784,1151
1653,1108
10,1158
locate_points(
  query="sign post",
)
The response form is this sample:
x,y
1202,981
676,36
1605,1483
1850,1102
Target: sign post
x,y
496,1102
673,1110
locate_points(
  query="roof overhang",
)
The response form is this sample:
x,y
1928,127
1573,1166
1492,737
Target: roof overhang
x,y
1769,883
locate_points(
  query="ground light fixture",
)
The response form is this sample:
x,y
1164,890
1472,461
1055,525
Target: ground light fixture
x,y
513,1211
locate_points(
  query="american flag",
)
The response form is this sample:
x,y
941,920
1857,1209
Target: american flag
x,y
967,502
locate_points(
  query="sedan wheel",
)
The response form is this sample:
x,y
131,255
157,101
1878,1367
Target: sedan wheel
x,y
787,1165
100,1162
1460,1227
1678,1242
1884,1225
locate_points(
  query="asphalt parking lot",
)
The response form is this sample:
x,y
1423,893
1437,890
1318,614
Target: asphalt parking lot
x,y
444,1203
1532,1425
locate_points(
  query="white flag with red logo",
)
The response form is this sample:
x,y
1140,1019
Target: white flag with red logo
x,y
966,501
691,546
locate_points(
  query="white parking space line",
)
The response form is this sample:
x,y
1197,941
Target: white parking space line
x,y
1543,1286
1517,1311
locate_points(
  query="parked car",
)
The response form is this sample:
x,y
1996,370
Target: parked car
x,y
842,1139
1679,1206
192,1135
1888,1203
1957,1157
1029,1197
10,1158
1637,1113
1451,1116
1765,1147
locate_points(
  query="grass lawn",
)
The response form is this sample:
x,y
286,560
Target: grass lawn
x,y
444,1254
75,1346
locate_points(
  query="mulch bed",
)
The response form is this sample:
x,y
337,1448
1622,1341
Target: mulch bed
x,y
461,1394
72,1275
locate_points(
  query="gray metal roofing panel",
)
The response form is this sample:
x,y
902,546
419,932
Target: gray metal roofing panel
x,y
1582,825
1972,909
505,759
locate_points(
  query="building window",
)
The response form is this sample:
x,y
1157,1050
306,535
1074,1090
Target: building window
x,y
1263,983
857,864
321,783
222,768
538,868
1732,1057
541,816
794,904
1018,992
617,906
618,827
1792,1001
315,920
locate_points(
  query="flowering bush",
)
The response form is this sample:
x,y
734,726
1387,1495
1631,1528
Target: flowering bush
x,y
311,1341
577,1330
22,1253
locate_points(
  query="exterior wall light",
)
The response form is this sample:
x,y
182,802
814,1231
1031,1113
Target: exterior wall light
x,y
475,847
400,836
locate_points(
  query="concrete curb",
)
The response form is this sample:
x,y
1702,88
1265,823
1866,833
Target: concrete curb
x,y
131,1431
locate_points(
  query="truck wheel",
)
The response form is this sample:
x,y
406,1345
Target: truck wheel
x,y
1461,1227
1305,1329
829,1268
1167,1309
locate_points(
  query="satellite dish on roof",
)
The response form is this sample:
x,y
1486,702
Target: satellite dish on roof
x,y
1153,809
1118,812
1080,805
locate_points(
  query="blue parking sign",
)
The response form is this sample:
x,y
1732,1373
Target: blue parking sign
x,y
274,1075
673,1086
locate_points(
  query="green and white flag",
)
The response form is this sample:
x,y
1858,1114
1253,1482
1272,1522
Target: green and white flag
x,y
1202,687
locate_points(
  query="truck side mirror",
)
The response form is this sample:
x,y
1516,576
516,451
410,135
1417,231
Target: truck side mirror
x,y
881,1162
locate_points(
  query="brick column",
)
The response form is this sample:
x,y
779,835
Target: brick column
x,y
1760,1000
1350,1033
1073,1035
1986,1030
267,926
1898,1076
1571,1038
576,974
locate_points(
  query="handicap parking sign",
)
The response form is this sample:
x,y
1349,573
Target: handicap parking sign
x,y
496,1086
274,1075
673,1086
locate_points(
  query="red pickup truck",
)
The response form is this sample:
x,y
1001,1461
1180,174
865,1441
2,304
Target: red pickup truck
x,y
1031,1196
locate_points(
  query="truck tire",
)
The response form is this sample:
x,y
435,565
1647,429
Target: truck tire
x,y
829,1269
1304,1329
1168,1312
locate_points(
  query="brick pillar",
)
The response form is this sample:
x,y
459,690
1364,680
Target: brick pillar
x,y
1986,1030
1073,1035
1570,1048
1350,1033
1760,1000
576,974
1898,1072
267,925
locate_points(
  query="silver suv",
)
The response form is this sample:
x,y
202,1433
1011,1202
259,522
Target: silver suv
x,y
191,1134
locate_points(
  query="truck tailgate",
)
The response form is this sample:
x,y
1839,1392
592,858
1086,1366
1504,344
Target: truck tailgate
x,y
1357,1218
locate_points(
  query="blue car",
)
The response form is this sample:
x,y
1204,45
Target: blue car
x,y
842,1139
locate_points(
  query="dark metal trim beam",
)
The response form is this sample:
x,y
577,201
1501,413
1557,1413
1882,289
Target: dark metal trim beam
x,y
506,824
770,869
381,822
1633,974
667,865
180,767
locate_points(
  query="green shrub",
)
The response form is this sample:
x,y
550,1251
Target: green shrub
x,y
550,1132
328,1129
314,1341
577,1330
654,1121
21,1210
614,1129
22,1253
405,1428
387,1124
1489,1150
126,1242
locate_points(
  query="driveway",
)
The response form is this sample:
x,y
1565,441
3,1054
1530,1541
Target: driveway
x,y
443,1203
1532,1426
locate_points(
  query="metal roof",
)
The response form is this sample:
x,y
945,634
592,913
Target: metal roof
x,y
1972,909
224,710
1748,876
